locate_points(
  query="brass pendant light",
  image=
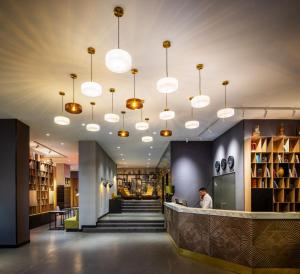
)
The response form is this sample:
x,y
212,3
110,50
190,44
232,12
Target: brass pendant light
x,y
225,112
92,126
166,132
123,133
73,108
134,103
61,119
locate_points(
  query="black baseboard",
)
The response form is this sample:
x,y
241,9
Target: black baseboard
x,y
38,220
15,246
74,230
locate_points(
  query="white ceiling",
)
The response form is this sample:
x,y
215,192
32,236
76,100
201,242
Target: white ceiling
x,y
254,44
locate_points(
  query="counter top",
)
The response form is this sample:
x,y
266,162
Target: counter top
x,y
234,213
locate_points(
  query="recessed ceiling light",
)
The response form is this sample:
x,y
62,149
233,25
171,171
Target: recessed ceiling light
x,y
118,147
154,132
151,147
149,154
47,134
110,133
83,124
62,144
123,159
69,160
121,154
149,159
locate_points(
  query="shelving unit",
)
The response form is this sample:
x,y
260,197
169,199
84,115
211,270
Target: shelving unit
x,y
41,187
275,166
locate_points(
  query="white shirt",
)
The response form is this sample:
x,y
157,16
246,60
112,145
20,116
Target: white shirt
x,y
206,202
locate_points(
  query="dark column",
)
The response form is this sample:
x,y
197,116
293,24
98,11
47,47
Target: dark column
x,y
14,177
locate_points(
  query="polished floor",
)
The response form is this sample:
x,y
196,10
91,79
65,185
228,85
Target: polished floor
x,y
103,253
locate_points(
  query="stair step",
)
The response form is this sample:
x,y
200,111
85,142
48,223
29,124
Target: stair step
x,y
134,206
140,210
137,224
130,221
123,229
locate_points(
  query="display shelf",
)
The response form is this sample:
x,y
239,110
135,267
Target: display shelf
x,y
275,165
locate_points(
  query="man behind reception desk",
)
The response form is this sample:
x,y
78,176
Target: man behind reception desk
x,y
205,199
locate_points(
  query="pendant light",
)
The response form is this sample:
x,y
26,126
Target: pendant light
x,y
123,133
112,117
91,89
147,138
62,120
167,84
92,126
134,103
192,124
166,132
142,125
200,101
73,108
167,114
225,112
118,60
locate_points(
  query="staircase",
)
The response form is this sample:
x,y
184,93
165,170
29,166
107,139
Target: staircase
x,y
141,206
136,216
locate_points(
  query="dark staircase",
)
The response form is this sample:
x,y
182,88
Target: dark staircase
x,y
141,206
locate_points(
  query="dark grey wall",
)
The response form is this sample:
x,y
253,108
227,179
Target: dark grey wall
x,y
231,143
190,169
14,177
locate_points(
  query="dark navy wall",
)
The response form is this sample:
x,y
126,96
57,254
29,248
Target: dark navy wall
x,y
190,169
231,143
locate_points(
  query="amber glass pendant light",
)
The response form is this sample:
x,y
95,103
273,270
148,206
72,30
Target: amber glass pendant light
x,y
134,103
61,119
166,132
123,133
73,108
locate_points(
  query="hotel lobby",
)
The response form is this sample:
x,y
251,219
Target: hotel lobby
x,y
156,136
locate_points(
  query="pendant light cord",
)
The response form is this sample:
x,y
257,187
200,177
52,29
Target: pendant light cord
x,y
166,100
91,67
225,97
141,114
133,85
167,70
123,120
199,81
112,102
92,112
73,91
166,124
192,112
62,103
118,32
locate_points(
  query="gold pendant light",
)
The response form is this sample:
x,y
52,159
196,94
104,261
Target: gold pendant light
x,y
61,119
123,133
73,108
166,132
92,126
112,117
167,114
191,124
134,103
225,112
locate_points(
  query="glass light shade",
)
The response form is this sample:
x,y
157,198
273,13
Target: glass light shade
x,y
91,89
147,139
118,60
92,127
166,133
200,101
61,120
225,112
191,124
167,115
123,133
111,117
167,85
134,103
141,126
73,108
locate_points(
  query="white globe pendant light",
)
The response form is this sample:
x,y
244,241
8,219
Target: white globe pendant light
x,y
225,112
200,101
118,60
91,89
191,124
92,126
147,139
60,119
112,117
142,125
167,84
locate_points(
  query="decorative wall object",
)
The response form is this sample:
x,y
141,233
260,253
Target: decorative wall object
x,y
217,166
223,164
230,162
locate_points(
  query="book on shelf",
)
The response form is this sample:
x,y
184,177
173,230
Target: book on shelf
x,y
275,184
279,158
290,173
268,172
295,173
297,158
286,147
263,184
259,172
257,158
252,173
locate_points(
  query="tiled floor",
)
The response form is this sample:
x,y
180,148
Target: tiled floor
x,y
58,252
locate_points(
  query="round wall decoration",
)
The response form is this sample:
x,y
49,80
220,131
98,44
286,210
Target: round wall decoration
x,y
223,163
217,166
230,162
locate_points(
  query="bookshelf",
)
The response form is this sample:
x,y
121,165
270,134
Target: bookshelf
x,y
41,186
275,167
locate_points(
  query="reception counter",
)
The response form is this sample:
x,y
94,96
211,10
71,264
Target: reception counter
x,y
251,239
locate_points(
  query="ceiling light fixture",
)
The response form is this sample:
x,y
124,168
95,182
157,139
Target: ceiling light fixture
x,y
92,126
91,89
167,114
60,119
148,138
167,84
118,60
134,103
166,132
200,100
225,112
112,117
142,125
73,108
192,124
123,133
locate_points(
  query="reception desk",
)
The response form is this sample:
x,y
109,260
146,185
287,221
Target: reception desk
x,y
251,239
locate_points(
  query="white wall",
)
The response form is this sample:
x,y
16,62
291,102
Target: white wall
x,y
95,167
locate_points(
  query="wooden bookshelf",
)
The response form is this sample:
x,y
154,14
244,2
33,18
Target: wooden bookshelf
x,y
269,155
41,187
